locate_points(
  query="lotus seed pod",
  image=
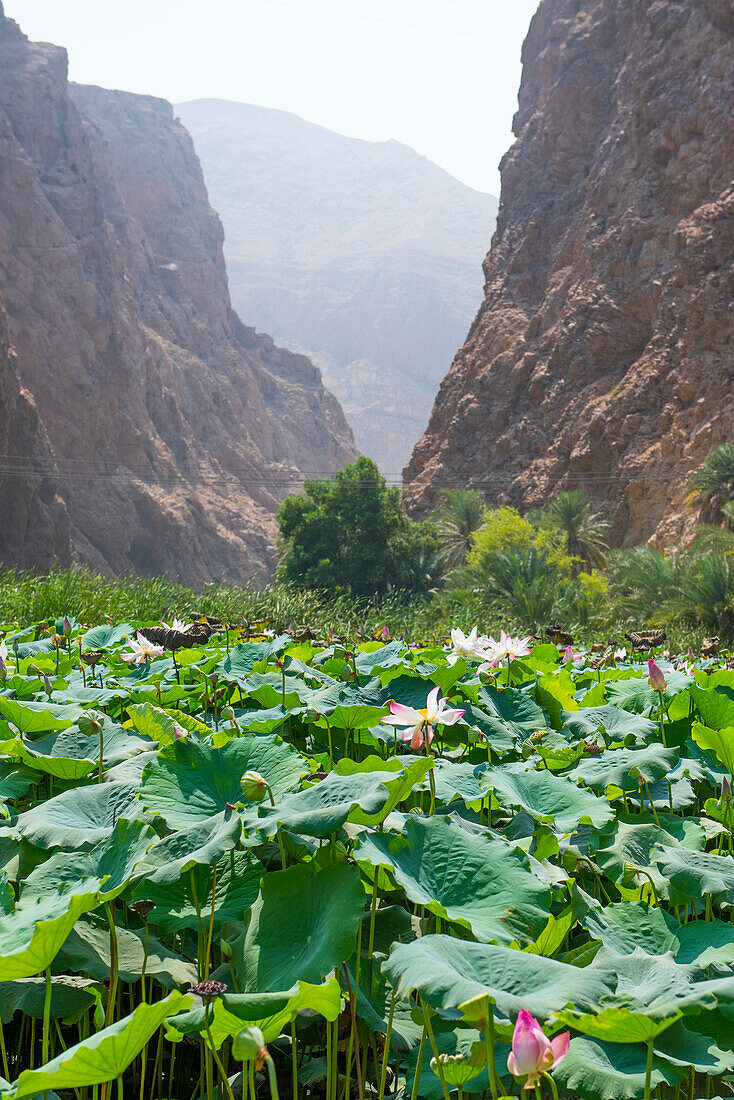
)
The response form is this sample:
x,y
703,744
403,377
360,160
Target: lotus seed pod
x,y
254,787
249,1045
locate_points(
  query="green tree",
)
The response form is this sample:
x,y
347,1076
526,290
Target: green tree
x,y
350,534
457,518
712,486
584,534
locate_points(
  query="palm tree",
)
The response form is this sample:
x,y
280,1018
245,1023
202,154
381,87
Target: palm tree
x,y
583,532
713,484
457,518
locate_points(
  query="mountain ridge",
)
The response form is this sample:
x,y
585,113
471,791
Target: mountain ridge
x,y
363,254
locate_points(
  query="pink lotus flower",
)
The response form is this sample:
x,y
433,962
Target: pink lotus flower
x,y
655,679
421,722
506,649
532,1052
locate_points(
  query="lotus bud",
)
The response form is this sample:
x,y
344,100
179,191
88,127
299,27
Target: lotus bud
x,y
655,679
254,787
725,790
178,733
67,626
3,671
249,1046
385,634
15,647
47,686
213,679
568,653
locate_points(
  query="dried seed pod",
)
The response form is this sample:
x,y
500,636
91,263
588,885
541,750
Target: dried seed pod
x,y
645,639
558,635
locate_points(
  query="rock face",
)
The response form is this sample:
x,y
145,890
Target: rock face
x,y
363,254
34,531
602,356
176,430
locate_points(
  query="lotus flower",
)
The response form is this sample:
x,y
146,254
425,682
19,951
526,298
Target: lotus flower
x,y
3,653
655,679
465,645
142,650
421,722
506,649
177,624
532,1052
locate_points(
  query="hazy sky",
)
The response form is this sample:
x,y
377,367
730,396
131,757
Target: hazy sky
x,y
439,75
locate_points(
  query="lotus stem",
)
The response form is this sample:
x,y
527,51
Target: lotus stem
x,y
4,1053
419,1063
272,1079
373,913
355,1033
662,723
220,1067
552,1084
211,924
46,1022
434,1048
386,1052
112,995
489,1040
648,1069
294,1059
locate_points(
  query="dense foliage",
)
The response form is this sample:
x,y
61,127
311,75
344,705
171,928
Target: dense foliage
x,y
386,901
348,533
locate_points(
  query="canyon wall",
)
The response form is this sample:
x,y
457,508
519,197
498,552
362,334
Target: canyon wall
x,y
175,429
602,355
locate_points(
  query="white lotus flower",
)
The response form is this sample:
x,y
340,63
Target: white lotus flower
x,y
177,624
421,722
142,650
464,645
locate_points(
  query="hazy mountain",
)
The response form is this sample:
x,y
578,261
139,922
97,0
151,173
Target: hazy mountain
x,y
363,254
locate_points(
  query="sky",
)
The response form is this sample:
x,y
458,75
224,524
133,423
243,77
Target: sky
x,y
439,75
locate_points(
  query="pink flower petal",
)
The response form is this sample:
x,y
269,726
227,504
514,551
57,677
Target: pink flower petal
x,y
449,717
406,716
559,1046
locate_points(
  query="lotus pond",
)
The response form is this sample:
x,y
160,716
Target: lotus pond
x,y
224,874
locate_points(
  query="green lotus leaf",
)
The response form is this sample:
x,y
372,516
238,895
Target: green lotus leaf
x,y
37,717
87,950
625,926
288,942
615,1071
61,753
683,1047
623,767
103,1056
556,694
548,797
718,741
107,868
266,720
715,704
477,881
693,874
455,976
71,996
15,779
204,842
80,818
30,938
270,1012
152,722
618,724
618,1025
237,886
369,660
102,637
191,781
629,844
365,797
353,717
511,705
374,997
635,694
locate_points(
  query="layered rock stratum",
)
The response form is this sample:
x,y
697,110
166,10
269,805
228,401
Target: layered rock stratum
x,y
364,254
601,357
173,430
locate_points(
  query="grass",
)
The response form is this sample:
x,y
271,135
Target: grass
x,y
91,599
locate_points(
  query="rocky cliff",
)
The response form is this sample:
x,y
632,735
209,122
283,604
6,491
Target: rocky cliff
x,y
602,355
175,429
363,254
34,526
